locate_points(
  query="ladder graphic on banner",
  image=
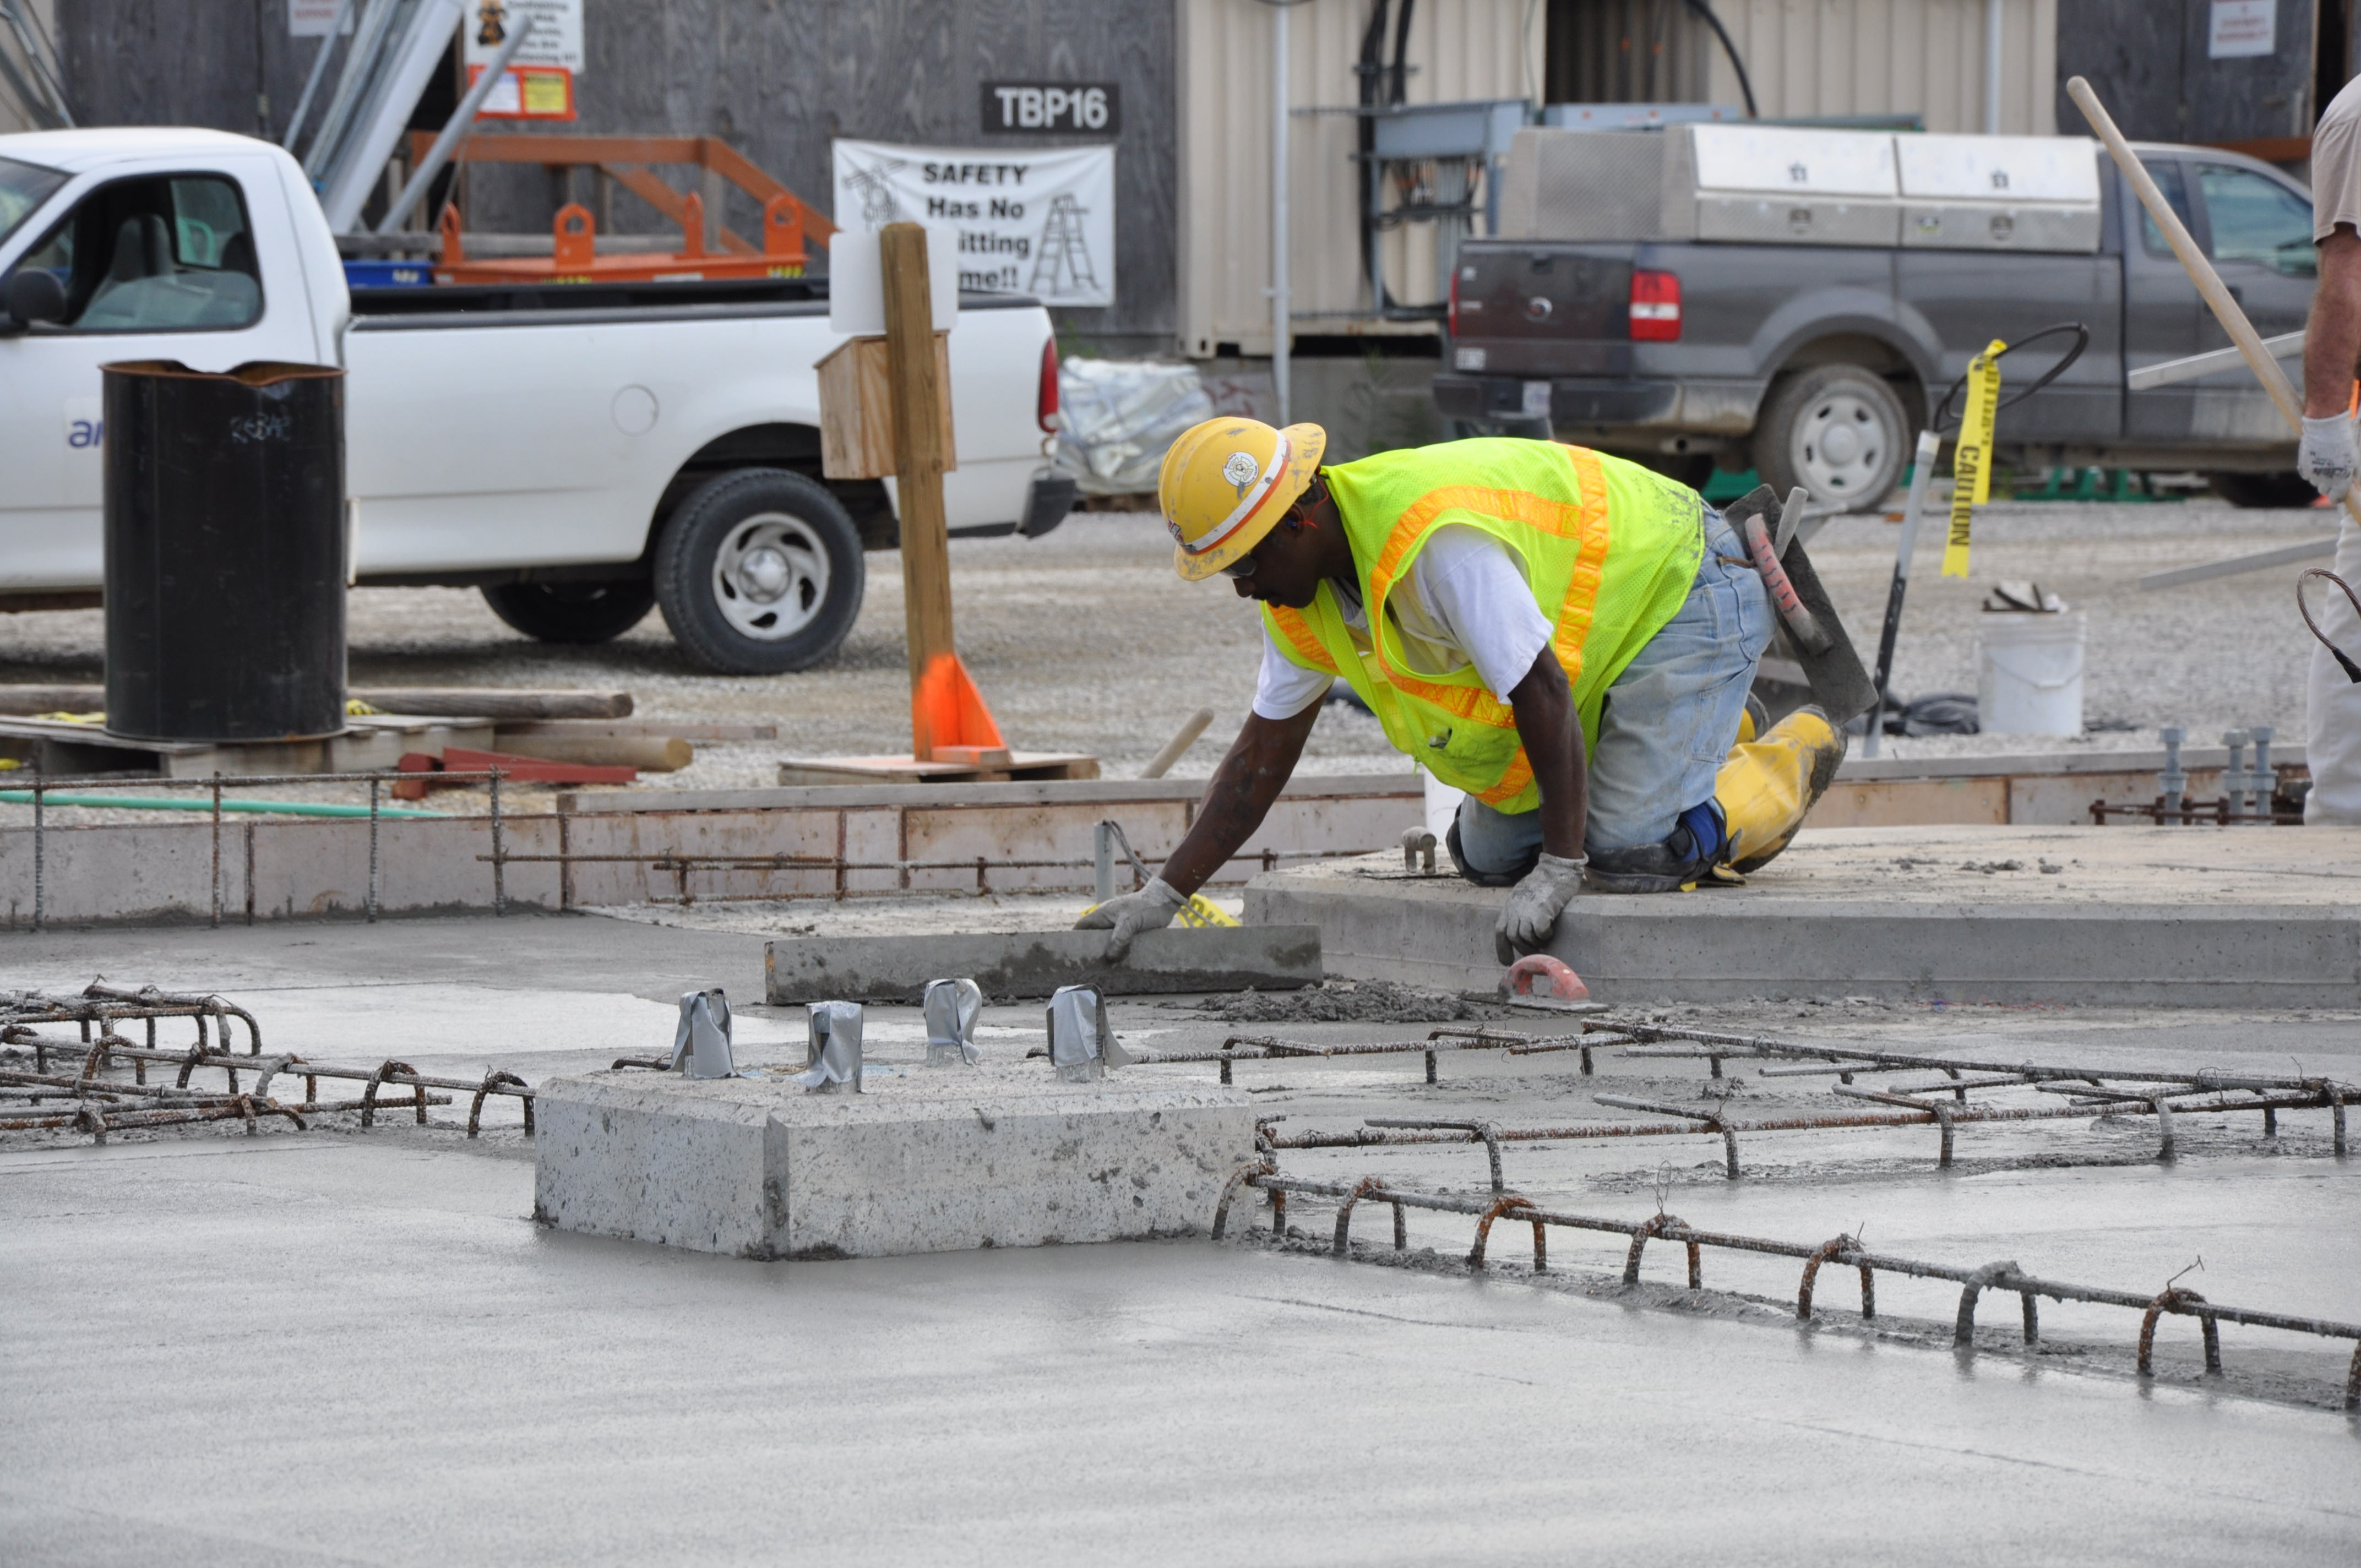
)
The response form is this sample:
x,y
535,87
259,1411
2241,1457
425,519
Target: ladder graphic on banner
x,y
1063,256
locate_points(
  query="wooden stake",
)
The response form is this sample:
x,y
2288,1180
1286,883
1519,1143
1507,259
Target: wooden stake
x,y
918,394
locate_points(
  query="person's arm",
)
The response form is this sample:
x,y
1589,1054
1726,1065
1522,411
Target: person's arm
x,y
1261,762
2332,341
1551,733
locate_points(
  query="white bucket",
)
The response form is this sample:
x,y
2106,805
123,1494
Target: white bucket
x,y
1441,805
2029,673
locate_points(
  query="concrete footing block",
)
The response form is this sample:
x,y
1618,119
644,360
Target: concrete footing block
x,y
921,1161
1035,963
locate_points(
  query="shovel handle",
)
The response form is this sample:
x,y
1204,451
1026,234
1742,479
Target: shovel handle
x,y
1800,621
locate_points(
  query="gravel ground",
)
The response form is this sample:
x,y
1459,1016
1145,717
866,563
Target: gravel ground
x,y
1084,642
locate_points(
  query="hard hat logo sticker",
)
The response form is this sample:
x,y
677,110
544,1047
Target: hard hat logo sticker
x,y
1242,470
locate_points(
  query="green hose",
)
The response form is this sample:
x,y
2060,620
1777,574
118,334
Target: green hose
x,y
154,802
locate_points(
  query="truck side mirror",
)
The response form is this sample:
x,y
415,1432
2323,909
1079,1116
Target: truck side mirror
x,y
35,295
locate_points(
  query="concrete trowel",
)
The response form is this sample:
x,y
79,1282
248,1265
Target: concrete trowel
x,y
1815,637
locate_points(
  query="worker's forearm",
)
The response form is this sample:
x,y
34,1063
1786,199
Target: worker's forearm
x,y
2332,344
1551,733
1259,763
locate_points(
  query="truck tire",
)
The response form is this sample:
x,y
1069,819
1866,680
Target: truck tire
x,y
759,573
1837,430
2263,490
571,612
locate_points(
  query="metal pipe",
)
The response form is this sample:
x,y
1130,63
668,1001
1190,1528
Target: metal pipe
x,y
318,74
142,803
1994,27
1282,300
456,128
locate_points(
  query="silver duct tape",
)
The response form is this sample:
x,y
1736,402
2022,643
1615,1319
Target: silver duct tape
x,y
834,1064
952,1008
701,1042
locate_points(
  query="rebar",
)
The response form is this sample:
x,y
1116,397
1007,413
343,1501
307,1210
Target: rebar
x,y
1264,1176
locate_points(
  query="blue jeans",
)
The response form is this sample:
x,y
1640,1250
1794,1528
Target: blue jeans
x,y
1665,728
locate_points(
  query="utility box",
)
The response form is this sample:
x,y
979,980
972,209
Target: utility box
x,y
856,409
1753,184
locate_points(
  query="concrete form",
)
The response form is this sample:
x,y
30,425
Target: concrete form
x,y
1035,963
942,1160
2188,916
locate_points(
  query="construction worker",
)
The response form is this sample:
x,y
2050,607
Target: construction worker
x,y
1568,637
2331,351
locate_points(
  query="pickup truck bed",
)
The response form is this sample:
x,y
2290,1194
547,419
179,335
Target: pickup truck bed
x,y
580,451
1815,364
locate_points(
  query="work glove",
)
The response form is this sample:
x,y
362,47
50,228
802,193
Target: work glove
x,y
1531,915
1152,908
2327,457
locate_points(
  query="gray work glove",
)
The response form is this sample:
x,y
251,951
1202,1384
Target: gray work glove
x,y
1530,916
1152,908
2327,457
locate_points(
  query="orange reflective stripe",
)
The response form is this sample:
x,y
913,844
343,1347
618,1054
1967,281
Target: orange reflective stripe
x,y
1298,631
1520,773
1589,563
1583,522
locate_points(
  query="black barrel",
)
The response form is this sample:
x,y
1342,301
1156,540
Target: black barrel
x,y
224,552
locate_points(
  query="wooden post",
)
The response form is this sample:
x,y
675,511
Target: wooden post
x,y
919,395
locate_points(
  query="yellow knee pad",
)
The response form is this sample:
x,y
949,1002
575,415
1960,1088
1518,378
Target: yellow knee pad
x,y
1767,786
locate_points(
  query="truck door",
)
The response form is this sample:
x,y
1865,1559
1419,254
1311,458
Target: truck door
x,y
2160,304
2258,233
196,265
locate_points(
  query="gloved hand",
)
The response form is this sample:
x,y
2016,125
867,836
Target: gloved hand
x,y
1531,915
1152,908
2327,457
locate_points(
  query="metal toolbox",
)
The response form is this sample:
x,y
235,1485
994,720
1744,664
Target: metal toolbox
x,y
1972,193
1779,184
1750,184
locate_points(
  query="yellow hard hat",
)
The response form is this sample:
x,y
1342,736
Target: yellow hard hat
x,y
1224,484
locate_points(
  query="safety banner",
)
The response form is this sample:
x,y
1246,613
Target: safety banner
x,y
1022,222
1972,460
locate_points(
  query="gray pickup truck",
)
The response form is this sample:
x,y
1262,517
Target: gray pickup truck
x,y
1799,301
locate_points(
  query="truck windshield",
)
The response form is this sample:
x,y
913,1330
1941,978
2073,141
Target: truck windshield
x,y
22,188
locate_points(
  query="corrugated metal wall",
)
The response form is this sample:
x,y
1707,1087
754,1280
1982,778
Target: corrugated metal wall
x,y
1459,48
1892,57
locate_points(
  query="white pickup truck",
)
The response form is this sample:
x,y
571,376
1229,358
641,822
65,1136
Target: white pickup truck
x,y
578,452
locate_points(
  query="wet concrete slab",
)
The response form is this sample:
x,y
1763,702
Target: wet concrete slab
x,y
375,1332
339,1344
2117,915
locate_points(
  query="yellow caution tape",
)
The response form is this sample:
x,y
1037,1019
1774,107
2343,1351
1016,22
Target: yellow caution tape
x,y
356,708
72,717
1971,461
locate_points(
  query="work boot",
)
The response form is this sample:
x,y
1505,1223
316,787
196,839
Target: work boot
x,y
1768,786
1687,853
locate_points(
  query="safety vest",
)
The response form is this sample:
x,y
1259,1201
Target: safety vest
x,y
1609,548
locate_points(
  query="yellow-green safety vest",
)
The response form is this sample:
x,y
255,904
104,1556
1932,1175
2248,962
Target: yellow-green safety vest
x,y
1609,548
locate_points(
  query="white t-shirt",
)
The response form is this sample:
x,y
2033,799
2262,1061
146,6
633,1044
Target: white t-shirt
x,y
1466,603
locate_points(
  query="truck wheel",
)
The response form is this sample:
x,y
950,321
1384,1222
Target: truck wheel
x,y
1837,430
759,573
571,612
2263,490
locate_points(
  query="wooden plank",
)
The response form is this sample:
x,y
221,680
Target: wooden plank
x,y
662,728
856,409
920,400
1021,766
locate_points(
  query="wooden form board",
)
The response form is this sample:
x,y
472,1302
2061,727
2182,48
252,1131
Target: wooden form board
x,y
856,409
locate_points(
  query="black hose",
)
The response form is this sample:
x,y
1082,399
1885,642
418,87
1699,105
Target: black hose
x,y
1400,88
2082,341
1372,66
1705,14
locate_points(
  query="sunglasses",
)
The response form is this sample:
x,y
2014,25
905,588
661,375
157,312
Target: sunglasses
x,y
1243,566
